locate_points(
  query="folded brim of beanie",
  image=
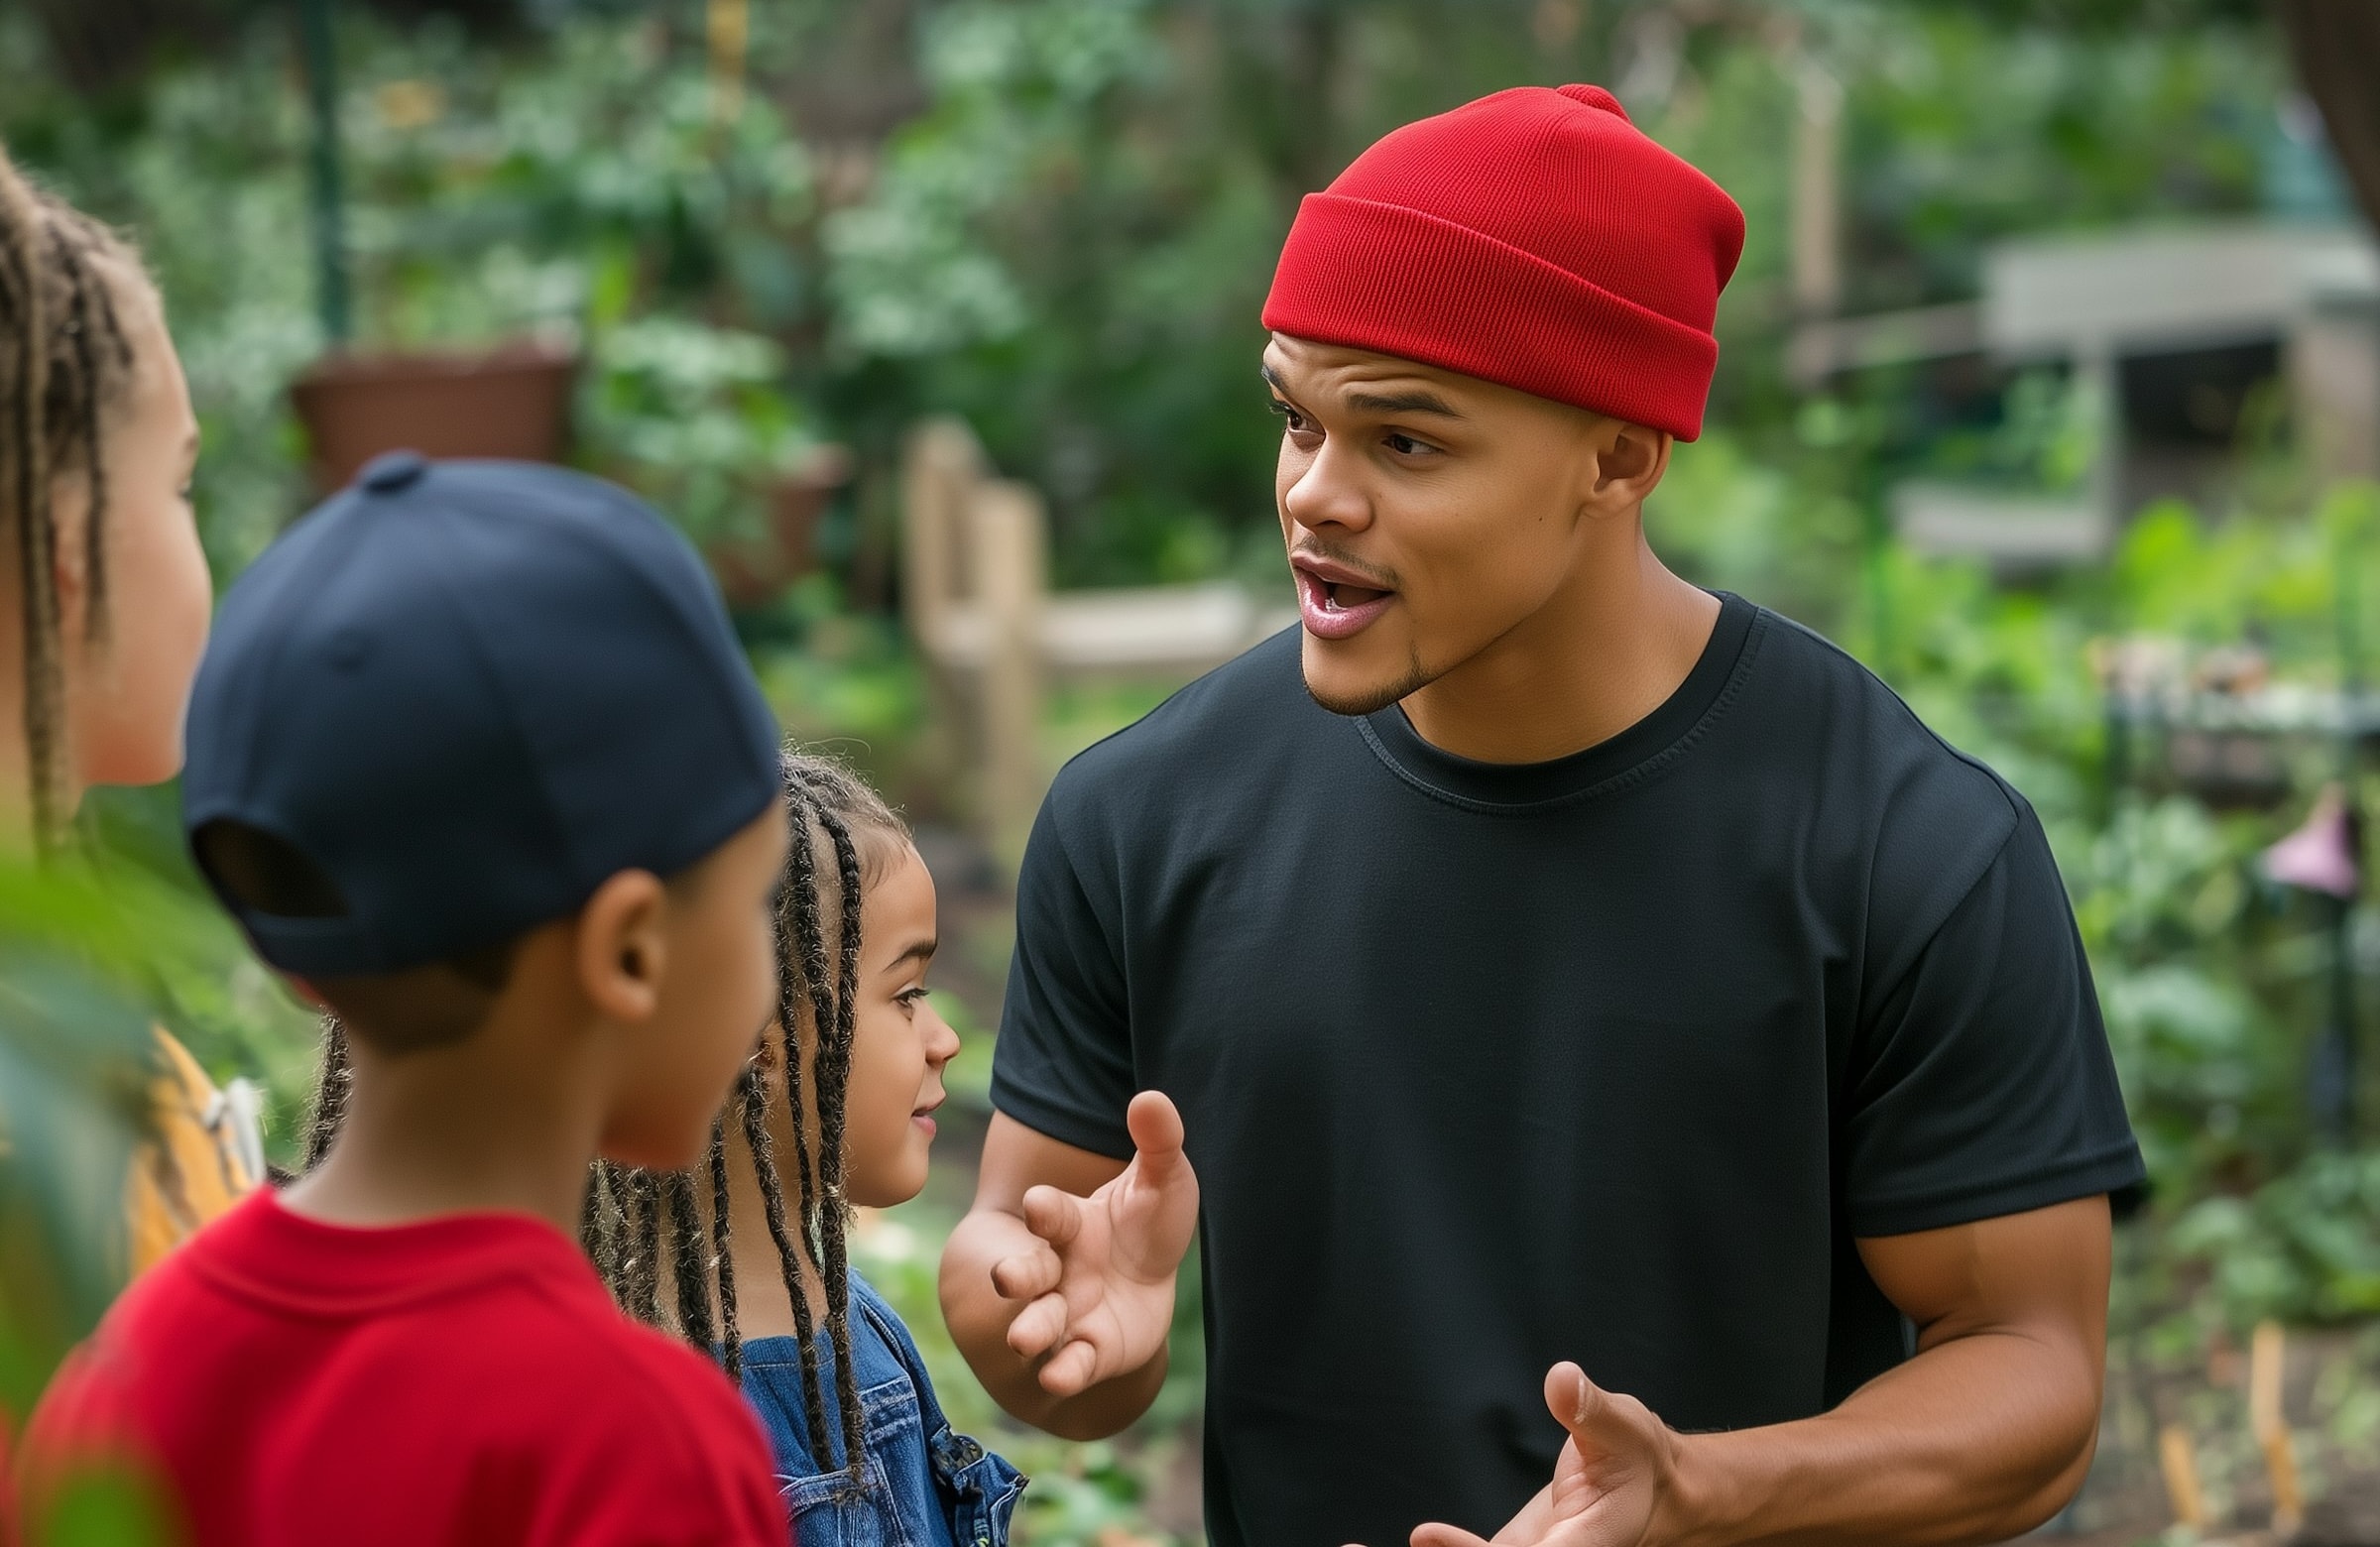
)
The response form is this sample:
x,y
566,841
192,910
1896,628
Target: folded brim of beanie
x,y
1379,277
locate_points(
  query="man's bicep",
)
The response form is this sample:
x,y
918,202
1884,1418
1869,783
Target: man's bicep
x,y
1016,1158
2041,1274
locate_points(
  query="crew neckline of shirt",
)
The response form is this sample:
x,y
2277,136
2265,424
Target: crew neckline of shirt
x,y
268,1253
1508,787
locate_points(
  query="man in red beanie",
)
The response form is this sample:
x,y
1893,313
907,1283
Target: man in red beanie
x,y
1556,965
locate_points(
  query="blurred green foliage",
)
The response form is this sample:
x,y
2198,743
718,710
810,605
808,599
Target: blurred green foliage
x,y
71,1060
87,959
2211,979
1057,218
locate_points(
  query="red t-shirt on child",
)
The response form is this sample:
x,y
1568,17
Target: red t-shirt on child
x,y
461,1381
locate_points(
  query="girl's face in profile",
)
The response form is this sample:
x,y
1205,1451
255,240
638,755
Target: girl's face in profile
x,y
900,1043
127,686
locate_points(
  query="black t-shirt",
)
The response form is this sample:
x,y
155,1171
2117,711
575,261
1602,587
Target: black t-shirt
x,y
1609,1059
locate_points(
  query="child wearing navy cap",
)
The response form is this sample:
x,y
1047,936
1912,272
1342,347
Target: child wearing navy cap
x,y
477,764
747,1257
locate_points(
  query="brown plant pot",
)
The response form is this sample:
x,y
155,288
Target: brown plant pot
x,y
513,400
753,571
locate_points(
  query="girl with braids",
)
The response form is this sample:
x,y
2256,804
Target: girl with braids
x,y
836,1109
104,601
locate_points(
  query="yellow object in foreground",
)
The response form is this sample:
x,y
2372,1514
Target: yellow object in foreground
x,y
204,1153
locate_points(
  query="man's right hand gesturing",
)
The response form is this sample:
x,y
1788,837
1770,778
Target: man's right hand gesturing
x,y
1058,1285
1096,1285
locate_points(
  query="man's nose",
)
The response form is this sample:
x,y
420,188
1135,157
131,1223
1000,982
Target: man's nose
x,y
1330,492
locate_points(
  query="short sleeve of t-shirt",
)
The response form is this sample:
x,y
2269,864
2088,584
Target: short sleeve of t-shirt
x,y
1063,1065
1980,1081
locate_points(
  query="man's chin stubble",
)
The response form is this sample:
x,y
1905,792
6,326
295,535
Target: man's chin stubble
x,y
1353,707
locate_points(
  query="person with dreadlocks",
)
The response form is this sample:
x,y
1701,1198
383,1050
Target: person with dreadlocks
x,y
102,569
841,1096
477,764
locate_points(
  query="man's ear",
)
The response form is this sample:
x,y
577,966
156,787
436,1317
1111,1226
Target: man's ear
x,y
1629,463
621,948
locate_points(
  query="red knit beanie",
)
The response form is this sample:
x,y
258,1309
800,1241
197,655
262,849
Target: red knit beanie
x,y
1535,238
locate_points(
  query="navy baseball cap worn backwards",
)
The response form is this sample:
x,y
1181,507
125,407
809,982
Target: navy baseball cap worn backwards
x,y
468,693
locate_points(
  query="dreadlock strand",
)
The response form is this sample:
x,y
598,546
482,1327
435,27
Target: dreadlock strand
x,y
754,1110
731,1339
644,1269
21,219
87,294
800,966
331,1085
689,1255
834,1082
611,1182
590,1218
600,1226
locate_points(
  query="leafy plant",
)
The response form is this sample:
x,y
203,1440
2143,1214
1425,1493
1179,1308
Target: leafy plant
x,y
696,417
78,993
2306,1248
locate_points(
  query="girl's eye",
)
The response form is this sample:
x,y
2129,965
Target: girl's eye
x,y
911,999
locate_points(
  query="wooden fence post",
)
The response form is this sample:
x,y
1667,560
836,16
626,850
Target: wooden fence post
x,y
2267,1362
2181,1469
938,473
940,466
1009,539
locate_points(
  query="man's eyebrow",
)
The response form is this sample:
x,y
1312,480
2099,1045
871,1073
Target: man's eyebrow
x,y
1400,403
1419,400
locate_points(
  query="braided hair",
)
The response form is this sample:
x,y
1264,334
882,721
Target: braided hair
x,y
65,360
840,826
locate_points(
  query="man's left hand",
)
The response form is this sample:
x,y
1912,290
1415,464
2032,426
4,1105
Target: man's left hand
x,y
1614,1482
1979,1438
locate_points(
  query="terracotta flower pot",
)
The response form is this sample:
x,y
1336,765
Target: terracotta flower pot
x,y
513,400
753,571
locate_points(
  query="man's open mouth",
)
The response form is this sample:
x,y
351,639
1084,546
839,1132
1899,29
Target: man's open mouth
x,y
1334,602
1347,596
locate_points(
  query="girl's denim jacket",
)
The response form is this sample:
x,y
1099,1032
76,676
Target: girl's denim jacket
x,y
923,1485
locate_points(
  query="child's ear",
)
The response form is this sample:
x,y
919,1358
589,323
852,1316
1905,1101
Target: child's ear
x,y
622,949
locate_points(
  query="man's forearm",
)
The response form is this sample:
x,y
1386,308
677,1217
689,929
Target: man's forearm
x,y
1978,1439
979,1318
